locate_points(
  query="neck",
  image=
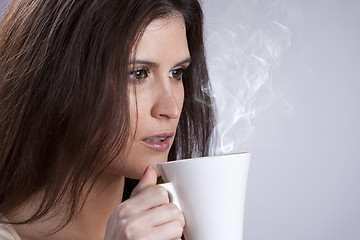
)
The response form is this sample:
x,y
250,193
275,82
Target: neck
x,y
89,224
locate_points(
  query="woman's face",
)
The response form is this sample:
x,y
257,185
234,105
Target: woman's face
x,y
156,93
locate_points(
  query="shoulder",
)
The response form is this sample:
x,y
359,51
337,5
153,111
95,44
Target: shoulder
x,y
7,232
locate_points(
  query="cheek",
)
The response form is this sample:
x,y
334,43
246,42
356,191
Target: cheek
x,y
139,109
133,111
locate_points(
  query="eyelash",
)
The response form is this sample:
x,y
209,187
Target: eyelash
x,y
144,72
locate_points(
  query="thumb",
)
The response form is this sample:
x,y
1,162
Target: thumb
x,y
149,178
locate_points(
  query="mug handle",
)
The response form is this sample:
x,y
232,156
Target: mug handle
x,y
172,194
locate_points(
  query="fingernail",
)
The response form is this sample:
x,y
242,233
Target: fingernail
x,y
147,169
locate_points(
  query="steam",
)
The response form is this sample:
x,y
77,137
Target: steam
x,y
243,58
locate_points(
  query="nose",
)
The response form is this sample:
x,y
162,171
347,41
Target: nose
x,y
168,101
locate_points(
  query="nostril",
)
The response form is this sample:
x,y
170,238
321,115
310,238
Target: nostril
x,y
167,108
167,99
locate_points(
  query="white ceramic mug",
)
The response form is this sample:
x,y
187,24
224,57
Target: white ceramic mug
x,y
211,193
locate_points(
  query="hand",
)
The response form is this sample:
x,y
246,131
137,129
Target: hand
x,y
147,214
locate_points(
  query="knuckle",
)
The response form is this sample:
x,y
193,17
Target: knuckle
x,y
177,213
122,209
163,194
182,220
128,228
173,208
178,228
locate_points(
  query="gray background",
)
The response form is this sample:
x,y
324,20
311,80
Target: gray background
x,y
304,175
305,172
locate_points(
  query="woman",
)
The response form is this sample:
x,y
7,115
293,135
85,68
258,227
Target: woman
x,y
94,92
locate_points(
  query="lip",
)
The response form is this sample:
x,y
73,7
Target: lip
x,y
159,146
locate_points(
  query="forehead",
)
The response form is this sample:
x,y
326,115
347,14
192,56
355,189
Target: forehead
x,y
162,37
160,23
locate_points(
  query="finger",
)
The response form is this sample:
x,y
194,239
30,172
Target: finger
x,y
161,215
150,197
148,179
170,230
132,229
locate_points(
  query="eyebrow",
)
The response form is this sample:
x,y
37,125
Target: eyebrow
x,y
153,64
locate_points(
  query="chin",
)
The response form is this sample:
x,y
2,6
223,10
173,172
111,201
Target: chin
x,y
134,164
156,160
139,170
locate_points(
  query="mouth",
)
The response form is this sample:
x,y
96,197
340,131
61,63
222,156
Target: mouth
x,y
155,139
160,142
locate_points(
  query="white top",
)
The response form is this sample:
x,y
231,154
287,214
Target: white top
x,y
7,232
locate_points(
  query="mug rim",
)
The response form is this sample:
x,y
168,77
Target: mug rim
x,y
203,158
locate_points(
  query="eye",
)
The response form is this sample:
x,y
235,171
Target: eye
x,y
139,74
176,73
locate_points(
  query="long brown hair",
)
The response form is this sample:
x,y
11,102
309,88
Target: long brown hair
x,y
64,113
